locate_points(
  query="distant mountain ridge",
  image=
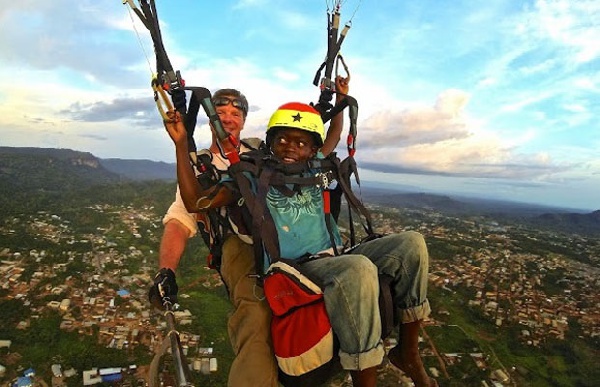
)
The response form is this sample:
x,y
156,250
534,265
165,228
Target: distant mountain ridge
x,y
56,170
141,169
24,165
579,223
550,218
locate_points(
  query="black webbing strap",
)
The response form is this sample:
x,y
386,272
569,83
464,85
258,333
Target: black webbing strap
x,y
262,221
333,48
190,120
346,169
264,233
149,17
326,83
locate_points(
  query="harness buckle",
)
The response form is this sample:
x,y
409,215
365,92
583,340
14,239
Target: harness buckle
x,y
325,179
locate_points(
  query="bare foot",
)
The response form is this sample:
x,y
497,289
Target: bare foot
x,y
412,367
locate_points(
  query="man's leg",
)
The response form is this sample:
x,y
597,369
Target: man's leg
x,y
249,324
404,256
364,378
350,288
406,355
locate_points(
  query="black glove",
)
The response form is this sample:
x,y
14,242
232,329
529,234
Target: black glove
x,y
178,98
164,287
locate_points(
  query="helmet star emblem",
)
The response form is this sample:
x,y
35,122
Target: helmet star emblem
x,y
297,117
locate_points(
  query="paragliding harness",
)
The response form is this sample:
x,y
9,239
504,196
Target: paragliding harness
x,y
296,300
215,224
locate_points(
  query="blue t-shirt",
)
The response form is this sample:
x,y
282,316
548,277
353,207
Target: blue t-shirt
x,y
299,220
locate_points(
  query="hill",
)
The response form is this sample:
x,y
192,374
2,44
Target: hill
x,y
140,170
51,169
32,167
542,217
42,179
576,223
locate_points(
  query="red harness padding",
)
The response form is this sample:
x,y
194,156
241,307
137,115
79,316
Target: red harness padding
x,y
303,339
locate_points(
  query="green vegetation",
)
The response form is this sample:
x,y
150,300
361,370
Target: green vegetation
x,y
557,363
443,250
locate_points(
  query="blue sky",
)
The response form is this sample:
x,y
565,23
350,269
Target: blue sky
x,y
492,99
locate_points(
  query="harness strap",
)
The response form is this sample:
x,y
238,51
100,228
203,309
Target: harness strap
x,y
347,168
328,219
262,222
264,234
333,48
353,116
189,121
268,173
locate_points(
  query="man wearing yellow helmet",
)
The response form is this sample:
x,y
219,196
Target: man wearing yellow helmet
x,y
295,120
294,134
350,281
248,324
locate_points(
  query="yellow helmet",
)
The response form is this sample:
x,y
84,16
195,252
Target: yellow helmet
x,y
297,115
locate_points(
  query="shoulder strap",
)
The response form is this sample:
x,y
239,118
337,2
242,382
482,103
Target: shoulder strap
x,y
214,224
264,233
253,143
259,168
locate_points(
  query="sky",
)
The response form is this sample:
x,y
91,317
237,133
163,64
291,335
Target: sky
x,y
491,99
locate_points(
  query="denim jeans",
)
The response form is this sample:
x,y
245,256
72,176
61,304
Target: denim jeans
x,y
351,290
404,257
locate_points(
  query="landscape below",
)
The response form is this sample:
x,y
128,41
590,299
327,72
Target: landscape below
x,y
514,289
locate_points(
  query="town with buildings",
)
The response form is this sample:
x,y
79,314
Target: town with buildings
x,y
109,302
506,280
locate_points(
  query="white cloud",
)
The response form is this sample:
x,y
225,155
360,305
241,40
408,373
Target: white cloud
x,y
573,24
443,140
575,108
418,125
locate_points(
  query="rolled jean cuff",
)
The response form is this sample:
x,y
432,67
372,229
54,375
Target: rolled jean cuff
x,y
363,360
414,313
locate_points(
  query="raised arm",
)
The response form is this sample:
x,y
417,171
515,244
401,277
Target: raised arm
x,y
194,197
334,132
